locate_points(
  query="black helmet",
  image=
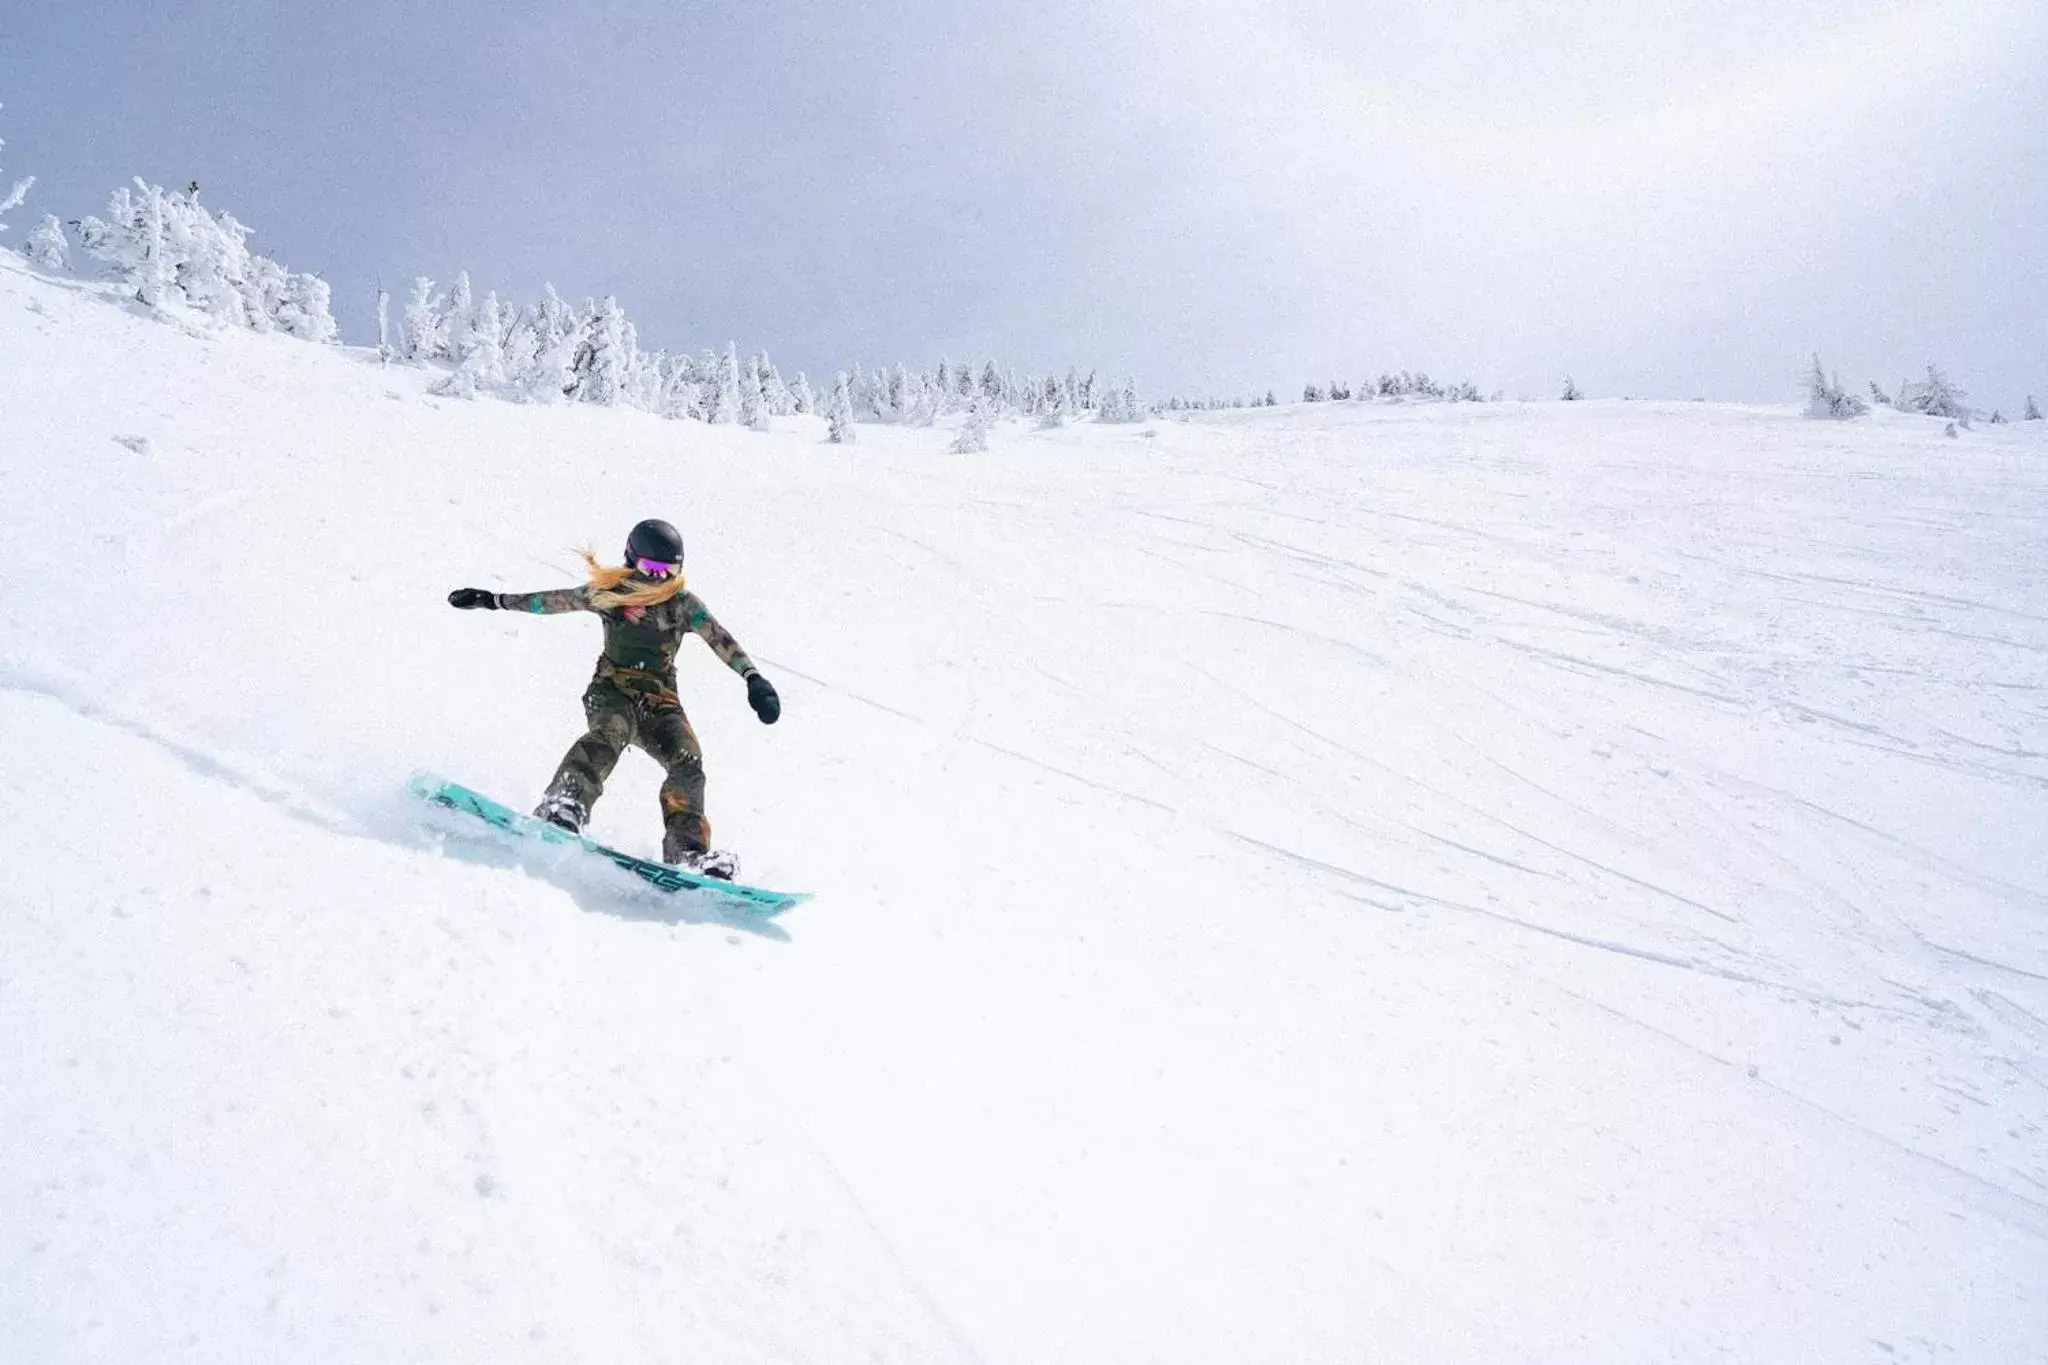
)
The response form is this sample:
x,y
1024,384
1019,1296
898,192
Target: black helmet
x,y
655,540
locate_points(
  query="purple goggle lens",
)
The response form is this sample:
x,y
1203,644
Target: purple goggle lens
x,y
655,568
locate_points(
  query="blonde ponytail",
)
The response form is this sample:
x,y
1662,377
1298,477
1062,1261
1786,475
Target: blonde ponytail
x,y
610,592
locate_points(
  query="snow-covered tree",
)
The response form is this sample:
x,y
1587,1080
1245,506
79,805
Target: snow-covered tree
x,y
1571,392
265,289
801,399
1997,418
781,400
480,352
678,396
921,401
1119,404
170,249
724,405
643,374
384,351
541,358
460,316
554,341
308,312
895,404
1052,404
47,245
753,401
2033,412
424,333
972,438
1825,396
604,361
1935,397
1879,396
839,418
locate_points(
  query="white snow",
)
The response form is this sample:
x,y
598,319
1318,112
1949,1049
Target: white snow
x,y
1427,883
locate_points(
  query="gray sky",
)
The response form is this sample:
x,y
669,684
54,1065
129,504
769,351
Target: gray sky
x,y
1664,198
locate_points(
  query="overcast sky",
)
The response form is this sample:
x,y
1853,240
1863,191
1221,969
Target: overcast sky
x,y
1662,198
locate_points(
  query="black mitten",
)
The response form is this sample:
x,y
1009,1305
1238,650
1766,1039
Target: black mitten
x,y
469,599
761,696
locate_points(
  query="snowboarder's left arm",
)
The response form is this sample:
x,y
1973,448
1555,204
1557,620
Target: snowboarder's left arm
x,y
706,627
760,692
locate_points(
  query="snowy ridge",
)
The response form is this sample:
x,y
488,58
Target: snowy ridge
x,y
1497,882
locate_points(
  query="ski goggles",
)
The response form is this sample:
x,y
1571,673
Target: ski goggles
x,y
655,568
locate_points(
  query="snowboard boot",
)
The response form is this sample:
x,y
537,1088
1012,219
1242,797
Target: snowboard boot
x,y
704,862
564,810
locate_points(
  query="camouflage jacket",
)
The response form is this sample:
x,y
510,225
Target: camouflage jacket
x,y
644,638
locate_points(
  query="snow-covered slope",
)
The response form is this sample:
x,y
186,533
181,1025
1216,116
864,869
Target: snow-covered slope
x,y
1556,883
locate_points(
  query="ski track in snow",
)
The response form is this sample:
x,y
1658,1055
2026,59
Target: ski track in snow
x,y
1537,882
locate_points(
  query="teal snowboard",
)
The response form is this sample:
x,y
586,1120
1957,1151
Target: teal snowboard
x,y
750,900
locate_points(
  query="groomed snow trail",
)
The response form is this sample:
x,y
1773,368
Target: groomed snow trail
x,y
1548,882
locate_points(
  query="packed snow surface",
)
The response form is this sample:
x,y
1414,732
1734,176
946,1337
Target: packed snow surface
x,y
1554,882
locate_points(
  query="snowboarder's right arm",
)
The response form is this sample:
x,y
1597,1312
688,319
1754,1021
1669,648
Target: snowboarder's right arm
x,y
550,602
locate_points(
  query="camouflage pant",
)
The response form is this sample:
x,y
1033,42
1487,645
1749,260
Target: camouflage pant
x,y
628,706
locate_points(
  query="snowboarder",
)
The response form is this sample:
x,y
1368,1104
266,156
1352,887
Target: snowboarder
x,y
632,697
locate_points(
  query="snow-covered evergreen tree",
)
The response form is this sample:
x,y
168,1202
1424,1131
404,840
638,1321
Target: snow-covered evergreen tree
x,y
781,402
558,340
753,401
150,278
724,408
308,312
921,401
801,399
895,404
424,333
643,374
460,317
972,438
1879,396
839,418
47,245
1052,404
1571,392
265,289
480,352
541,359
2033,413
209,261
678,396
1935,397
1825,396
1997,418
604,362
1119,404
171,250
